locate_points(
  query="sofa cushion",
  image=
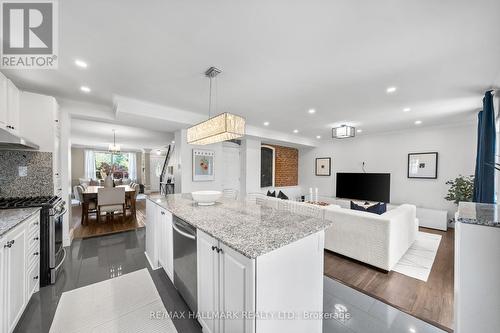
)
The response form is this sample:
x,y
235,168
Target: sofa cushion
x,y
282,195
271,194
378,208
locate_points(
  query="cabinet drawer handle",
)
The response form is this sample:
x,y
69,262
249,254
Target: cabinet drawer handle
x,y
162,213
36,253
35,277
36,223
36,238
214,248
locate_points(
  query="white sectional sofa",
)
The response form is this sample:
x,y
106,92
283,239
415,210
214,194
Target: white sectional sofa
x,y
378,240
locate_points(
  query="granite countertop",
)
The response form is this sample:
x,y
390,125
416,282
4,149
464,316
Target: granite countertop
x,y
9,218
246,227
479,213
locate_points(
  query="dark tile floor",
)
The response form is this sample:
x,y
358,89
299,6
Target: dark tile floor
x,y
96,259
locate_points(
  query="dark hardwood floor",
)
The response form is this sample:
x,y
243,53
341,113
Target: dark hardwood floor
x,y
105,227
431,301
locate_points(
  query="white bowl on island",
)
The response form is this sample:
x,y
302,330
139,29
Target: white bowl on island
x,y
206,198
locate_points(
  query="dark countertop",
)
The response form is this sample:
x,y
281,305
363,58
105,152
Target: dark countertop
x,y
246,227
9,218
479,213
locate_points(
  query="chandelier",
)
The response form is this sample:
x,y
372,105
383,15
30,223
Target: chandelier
x,y
223,127
114,148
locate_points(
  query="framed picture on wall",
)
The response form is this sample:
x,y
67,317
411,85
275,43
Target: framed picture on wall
x,y
323,166
423,165
203,165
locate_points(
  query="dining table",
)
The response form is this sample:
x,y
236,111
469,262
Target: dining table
x,y
89,195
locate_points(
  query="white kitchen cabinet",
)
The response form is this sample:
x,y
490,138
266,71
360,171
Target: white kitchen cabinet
x,y
151,239
226,284
3,101
13,117
165,241
19,271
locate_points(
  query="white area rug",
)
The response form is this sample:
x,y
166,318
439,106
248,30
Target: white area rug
x,y
417,261
122,304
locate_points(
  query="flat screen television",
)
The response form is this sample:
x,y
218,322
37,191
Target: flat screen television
x,y
364,186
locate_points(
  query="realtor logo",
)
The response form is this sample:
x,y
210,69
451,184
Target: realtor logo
x,y
29,34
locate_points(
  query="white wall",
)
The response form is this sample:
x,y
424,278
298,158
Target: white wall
x,y
389,153
250,165
184,156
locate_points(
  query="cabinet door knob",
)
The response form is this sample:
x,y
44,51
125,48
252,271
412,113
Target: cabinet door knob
x,y
36,238
35,254
162,213
214,248
35,277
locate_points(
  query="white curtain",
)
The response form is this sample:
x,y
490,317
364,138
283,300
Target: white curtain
x,y
132,166
89,164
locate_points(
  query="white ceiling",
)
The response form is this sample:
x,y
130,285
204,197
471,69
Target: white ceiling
x,y
99,134
280,58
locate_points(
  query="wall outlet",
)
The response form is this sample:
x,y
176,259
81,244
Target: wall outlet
x,y
23,171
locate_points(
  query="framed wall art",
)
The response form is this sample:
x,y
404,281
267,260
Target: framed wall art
x,y
203,165
423,165
323,166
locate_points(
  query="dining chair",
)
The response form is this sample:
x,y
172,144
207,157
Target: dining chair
x,y
132,200
111,200
230,193
87,207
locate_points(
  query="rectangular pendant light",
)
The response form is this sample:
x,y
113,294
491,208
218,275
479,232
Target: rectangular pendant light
x,y
343,132
223,127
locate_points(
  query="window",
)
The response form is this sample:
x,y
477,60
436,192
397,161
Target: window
x,y
117,163
266,166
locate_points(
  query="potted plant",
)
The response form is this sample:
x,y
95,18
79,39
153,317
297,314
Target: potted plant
x,y
461,189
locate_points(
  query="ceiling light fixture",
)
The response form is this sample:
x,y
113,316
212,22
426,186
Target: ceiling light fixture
x,y
295,131
266,123
359,130
312,111
223,127
318,136
391,90
418,122
85,89
81,63
406,110
114,148
173,141
343,132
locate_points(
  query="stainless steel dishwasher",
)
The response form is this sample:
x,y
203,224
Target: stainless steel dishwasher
x,y
185,274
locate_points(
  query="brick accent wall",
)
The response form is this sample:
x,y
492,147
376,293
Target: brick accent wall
x,y
286,165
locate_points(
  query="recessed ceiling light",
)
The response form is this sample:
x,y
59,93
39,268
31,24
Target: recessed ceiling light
x,y
158,152
391,90
312,111
173,141
81,63
266,123
318,136
359,130
418,122
295,131
412,330
406,109
85,89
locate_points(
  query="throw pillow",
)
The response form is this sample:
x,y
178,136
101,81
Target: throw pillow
x,y
282,195
378,208
271,194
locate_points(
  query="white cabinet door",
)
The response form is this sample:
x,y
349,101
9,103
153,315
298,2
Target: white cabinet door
x,y
15,259
3,101
165,242
151,245
3,285
208,281
237,290
12,108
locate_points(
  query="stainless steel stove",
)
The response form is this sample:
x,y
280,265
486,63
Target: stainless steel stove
x,y
52,253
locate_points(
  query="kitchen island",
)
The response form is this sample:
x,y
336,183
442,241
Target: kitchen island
x,y
258,269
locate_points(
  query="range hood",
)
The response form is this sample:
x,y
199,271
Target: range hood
x,y
11,141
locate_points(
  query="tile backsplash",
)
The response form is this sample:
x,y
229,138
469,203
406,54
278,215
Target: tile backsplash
x,y
25,173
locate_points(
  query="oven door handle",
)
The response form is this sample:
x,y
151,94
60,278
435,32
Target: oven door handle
x,y
60,214
62,260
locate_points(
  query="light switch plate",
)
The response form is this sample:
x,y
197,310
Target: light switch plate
x,y
23,171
